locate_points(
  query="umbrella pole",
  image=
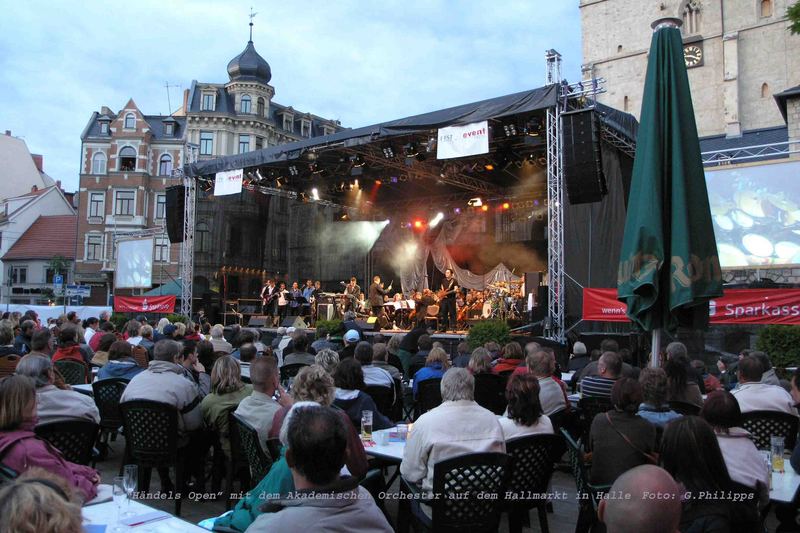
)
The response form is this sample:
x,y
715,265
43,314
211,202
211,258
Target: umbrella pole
x,y
655,349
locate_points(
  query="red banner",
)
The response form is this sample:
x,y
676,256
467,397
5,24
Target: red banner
x,y
737,306
144,304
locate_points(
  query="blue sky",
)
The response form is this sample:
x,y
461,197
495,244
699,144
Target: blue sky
x,y
357,61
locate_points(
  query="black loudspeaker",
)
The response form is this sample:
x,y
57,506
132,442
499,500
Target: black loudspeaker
x,y
296,322
257,321
583,167
532,281
174,205
540,303
370,324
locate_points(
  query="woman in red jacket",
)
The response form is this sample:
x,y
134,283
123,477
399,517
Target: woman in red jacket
x,y
21,449
70,350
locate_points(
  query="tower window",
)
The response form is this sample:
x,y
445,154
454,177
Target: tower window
x,y
764,90
260,107
245,105
130,121
766,8
691,17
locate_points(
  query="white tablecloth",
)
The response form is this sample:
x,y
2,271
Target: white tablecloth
x,y
106,514
784,486
392,451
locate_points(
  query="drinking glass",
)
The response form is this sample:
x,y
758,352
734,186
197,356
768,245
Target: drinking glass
x,y
776,447
118,491
402,432
366,425
131,477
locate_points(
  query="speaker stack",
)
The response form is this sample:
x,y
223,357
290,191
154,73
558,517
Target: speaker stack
x,y
583,166
175,201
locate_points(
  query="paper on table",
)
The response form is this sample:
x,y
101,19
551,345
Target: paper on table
x,y
105,493
144,518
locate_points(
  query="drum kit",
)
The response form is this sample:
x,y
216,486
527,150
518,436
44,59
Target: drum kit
x,y
502,300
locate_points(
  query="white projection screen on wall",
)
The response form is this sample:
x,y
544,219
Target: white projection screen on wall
x,y
134,264
756,214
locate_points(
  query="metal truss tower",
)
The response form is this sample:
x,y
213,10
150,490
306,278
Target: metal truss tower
x,y
187,246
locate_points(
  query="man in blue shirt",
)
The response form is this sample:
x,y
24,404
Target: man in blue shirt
x,y
609,367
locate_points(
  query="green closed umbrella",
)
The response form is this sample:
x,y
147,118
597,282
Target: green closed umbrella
x,y
669,266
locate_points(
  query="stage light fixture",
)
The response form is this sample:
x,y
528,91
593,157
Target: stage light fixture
x,y
534,127
484,207
315,194
355,184
357,161
457,210
431,145
293,170
278,183
417,224
506,205
411,149
394,179
315,168
388,151
510,130
435,220
488,166
378,182
475,202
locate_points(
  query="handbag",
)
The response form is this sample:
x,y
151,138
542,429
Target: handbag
x,y
652,458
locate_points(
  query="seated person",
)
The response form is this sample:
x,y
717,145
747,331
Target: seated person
x,y
260,407
54,404
227,390
619,439
654,407
101,353
316,440
524,415
40,501
424,347
710,382
680,387
300,354
609,368
436,364
744,463
349,397
327,359
753,395
458,426
552,396
120,362
21,449
380,359
373,375
511,359
640,512
461,360
769,376
480,362
70,350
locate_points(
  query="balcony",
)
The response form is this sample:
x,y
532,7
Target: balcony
x,y
125,220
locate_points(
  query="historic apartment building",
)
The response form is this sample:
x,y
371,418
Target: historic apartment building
x,y
739,53
127,163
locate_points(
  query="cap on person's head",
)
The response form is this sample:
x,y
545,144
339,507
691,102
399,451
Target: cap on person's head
x,y
352,336
290,330
579,348
169,330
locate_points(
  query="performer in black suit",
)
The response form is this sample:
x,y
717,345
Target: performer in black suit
x,y
376,294
269,299
351,291
447,301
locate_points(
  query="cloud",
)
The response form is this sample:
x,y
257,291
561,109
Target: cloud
x,y
357,61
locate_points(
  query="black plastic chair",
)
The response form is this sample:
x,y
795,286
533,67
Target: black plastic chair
x,y
397,407
462,484
237,464
259,461
290,371
376,486
107,394
73,438
684,408
586,491
383,397
429,396
74,373
395,361
151,441
588,409
490,392
532,460
765,424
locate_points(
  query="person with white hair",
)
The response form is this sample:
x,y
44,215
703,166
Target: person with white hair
x,y
218,341
458,426
579,357
54,404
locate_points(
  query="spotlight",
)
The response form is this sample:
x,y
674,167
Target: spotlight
x,y
457,210
315,194
418,224
510,130
315,168
435,220
293,170
411,149
484,207
488,166
378,182
475,202
534,127
357,161
506,205
388,151
393,179
355,184
431,144
278,183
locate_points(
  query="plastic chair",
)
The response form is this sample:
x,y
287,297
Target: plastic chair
x,y
532,460
74,373
462,482
258,460
383,397
107,394
73,438
765,424
586,491
139,354
432,315
237,463
429,396
684,408
151,440
490,392
290,371
8,364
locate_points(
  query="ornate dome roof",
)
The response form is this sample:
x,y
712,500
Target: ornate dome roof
x,y
249,66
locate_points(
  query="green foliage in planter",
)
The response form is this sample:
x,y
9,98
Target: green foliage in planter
x,y
781,343
490,330
174,317
334,326
118,319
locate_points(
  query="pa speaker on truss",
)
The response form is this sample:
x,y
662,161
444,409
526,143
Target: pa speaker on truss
x,y
583,167
174,205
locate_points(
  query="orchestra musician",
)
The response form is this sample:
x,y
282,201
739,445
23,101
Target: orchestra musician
x,y
269,299
308,295
351,291
447,301
282,301
421,303
376,294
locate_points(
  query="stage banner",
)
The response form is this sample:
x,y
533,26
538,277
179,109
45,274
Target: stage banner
x,y
461,141
229,182
144,304
736,306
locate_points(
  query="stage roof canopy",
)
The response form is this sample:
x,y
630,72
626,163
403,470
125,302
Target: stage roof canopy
x,y
396,161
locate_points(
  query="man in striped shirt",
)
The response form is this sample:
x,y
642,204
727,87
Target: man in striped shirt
x,y
609,367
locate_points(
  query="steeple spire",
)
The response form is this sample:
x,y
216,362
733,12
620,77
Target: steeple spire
x,y
252,16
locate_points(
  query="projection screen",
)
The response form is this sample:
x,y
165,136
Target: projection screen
x,y
134,264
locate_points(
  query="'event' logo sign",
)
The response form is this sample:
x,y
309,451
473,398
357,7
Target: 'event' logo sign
x,y
461,141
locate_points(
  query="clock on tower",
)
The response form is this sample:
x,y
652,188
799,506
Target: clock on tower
x,y
693,54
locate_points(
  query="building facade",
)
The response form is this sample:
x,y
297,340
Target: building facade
x,y
127,159
739,53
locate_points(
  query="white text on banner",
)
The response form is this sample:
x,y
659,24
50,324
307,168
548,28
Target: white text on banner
x,y
461,141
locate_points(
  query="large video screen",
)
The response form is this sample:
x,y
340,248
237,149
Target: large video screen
x,y
756,214
134,264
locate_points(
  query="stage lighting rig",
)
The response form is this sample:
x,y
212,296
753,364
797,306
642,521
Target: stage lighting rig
x,y
388,151
293,171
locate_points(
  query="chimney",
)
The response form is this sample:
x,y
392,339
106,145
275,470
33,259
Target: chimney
x,y
38,160
8,133
185,101
58,184
105,110
34,188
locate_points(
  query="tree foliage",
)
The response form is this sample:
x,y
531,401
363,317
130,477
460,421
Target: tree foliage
x,y
793,12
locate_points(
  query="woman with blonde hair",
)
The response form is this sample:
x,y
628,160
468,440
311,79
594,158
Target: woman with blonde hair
x,y
327,359
436,364
480,362
227,390
37,502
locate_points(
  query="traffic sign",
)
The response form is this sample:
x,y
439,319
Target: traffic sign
x,y
79,290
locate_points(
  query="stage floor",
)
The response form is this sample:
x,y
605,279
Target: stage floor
x,y
456,335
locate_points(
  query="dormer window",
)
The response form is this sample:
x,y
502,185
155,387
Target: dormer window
x,y
288,122
169,129
208,102
305,128
127,159
244,107
104,128
130,121
327,130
